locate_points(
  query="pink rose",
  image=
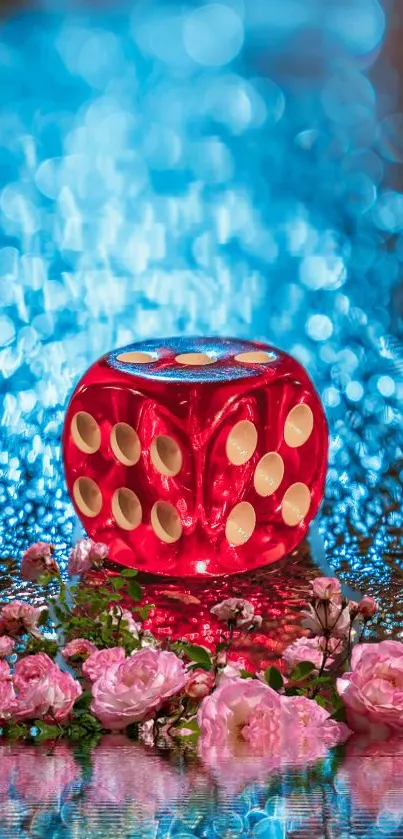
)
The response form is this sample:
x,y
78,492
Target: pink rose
x,y
78,648
37,560
373,691
367,607
311,649
6,646
49,696
310,730
242,716
235,610
7,695
5,672
31,667
200,683
17,618
86,554
133,689
326,588
327,615
100,661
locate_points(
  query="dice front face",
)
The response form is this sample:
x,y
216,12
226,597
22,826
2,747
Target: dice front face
x,y
195,456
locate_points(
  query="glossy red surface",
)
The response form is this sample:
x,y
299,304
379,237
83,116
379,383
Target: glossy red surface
x,y
197,406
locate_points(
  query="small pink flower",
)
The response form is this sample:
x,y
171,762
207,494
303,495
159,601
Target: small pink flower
x,y
367,607
50,696
133,689
235,610
241,717
78,648
17,618
311,649
327,615
6,646
200,683
100,661
37,560
326,588
86,554
373,691
31,668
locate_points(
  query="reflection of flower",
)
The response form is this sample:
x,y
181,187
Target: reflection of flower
x,y
131,690
18,617
37,560
127,771
37,774
373,691
44,691
372,771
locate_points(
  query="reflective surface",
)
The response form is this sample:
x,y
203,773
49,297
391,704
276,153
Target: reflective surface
x,y
124,789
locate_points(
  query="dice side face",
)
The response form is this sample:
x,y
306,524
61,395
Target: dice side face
x,y
183,470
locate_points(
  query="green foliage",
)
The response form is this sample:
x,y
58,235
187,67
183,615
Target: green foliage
x,y
194,653
274,678
301,671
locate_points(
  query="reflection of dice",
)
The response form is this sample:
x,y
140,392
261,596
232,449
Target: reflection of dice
x,y
196,456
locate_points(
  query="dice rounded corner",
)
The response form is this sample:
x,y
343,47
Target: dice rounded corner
x,y
196,456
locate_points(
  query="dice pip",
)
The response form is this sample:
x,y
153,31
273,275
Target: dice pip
x,y
196,456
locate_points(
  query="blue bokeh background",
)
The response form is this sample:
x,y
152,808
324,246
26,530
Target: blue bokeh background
x,y
201,168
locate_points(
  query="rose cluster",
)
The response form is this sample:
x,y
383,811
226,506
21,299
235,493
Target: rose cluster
x,y
328,684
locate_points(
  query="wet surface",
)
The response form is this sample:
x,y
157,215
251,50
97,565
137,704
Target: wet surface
x,y
126,790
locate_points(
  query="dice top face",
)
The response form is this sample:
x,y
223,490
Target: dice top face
x,y
193,359
196,456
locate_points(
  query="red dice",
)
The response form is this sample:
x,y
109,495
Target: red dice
x,y
196,456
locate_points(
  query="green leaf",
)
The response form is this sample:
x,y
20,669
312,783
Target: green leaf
x,y
302,670
115,597
84,701
46,732
129,572
340,714
197,654
144,611
246,674
134,590
117,583
273,678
